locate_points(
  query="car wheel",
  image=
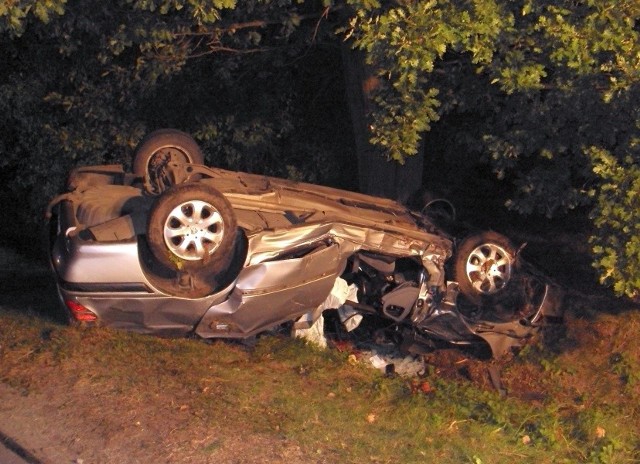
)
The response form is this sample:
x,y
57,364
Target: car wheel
x,y
484,266
192,227
164,146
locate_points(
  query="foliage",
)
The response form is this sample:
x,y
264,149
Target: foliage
x,y
616,242
14,15
551,57
403,45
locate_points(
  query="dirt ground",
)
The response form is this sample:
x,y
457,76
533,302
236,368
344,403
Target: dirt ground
x,y
72,427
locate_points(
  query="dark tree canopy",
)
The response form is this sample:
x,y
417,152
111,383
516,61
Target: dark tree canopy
x,y
543,93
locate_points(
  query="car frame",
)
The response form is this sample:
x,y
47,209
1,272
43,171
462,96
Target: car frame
x,y
176,248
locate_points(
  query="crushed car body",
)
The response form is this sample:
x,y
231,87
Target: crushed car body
x,y
176,247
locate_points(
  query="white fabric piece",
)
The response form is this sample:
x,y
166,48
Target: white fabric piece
x,y
314,334
311,325
349,317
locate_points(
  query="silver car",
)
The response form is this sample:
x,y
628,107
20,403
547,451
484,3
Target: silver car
x,y
176,247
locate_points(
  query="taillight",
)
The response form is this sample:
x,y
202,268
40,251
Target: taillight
x,y
79,312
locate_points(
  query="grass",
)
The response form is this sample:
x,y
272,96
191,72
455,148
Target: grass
x,y
576,399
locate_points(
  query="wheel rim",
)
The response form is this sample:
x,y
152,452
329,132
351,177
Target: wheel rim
x,y
489,268
193,230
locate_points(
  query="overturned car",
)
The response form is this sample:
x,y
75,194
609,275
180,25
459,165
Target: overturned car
x,y
176,247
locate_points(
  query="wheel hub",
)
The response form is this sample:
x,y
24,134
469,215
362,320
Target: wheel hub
x,y
193,230
489,268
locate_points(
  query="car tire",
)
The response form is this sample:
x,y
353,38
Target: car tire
x,y
484,267
170,144
192,227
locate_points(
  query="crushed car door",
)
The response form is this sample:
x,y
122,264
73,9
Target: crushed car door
x,y
271,292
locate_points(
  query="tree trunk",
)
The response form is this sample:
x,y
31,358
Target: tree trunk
x,y
377,175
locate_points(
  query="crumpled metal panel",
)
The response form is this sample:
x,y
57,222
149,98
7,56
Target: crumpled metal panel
x,y
145,313
272,292
290,286
431,249
268,245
